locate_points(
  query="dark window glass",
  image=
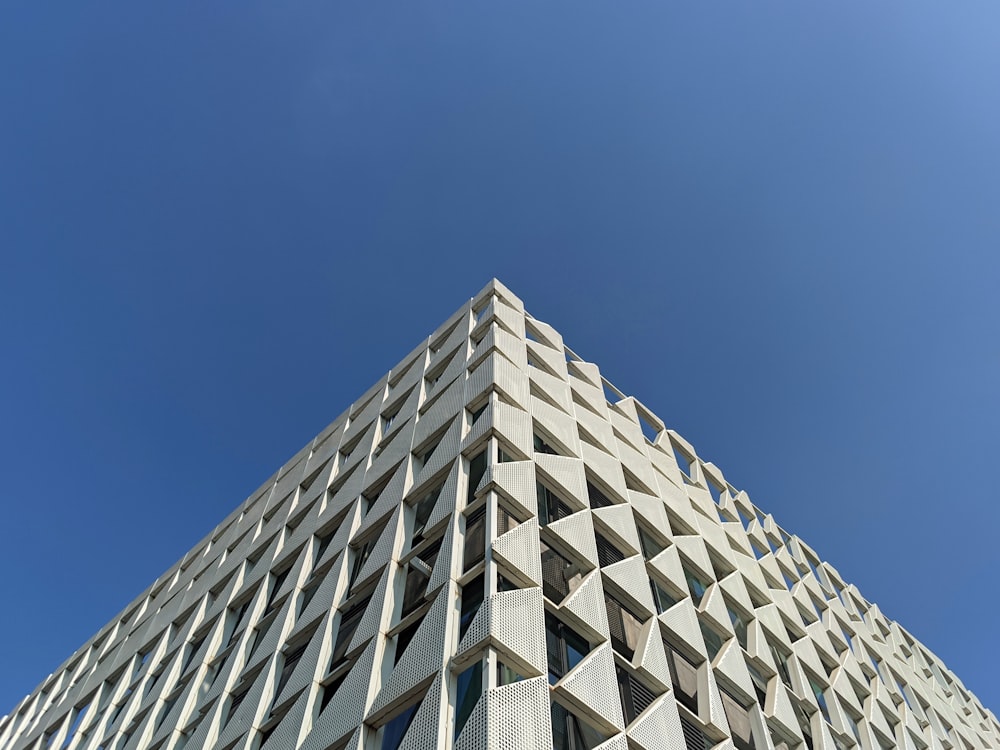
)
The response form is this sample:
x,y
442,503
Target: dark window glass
x,y
694,736
564,646
696,585
505,521
651,546
664,599
395,730
421,512
597,498
624,626
542,447
607,553
635,696
569,733
470,687
292,659
739,625
477,467
403,638
820,698
713,641
684,676
308,593
361,555
559,575
349,620
550,507
782,663
472,598
739,722
475,539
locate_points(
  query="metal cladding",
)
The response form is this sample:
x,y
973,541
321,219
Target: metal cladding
x,y
495,548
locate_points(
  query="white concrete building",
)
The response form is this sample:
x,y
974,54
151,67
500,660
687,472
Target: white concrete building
x,y
495,548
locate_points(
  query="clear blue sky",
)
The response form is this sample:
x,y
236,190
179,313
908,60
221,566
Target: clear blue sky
x,y
775,223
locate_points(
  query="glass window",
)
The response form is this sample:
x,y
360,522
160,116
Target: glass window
x,y
542,447
739,624
624,627
559,575
550,507
472,599
696,585
607,553
570,733
349,620
395,730
597,498
739,722
684,676
470,687
663,599
564,646
477,467
713,641
474,550
651,546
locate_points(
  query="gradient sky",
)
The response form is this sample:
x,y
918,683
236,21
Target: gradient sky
x,y
776,224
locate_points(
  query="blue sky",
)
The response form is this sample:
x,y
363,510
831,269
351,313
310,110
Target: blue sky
x,y
776,224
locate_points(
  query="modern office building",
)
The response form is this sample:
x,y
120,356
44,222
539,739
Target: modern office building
x,y
495,548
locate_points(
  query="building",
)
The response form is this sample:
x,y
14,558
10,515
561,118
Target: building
x,y
495,548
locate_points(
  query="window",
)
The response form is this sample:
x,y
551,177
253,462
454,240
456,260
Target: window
x,y
651,546
597,498
694,735
236,700
308,592
739,622
278,580
550,507
564,647
470,687
472,599
403,638
394,731
422,509
292,659
817,691
663,599
781,661
474,415
607,553
477,467
624,626
570,733
474,550
635,696
542,447
418,575
559,575
713,641
759,683
684,677
361,555
387,420
349,619
696,585
505,521
739,722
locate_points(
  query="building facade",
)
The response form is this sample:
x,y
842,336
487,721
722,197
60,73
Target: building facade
x,y
495,548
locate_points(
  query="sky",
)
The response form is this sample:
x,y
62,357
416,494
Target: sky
x,y
776,224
